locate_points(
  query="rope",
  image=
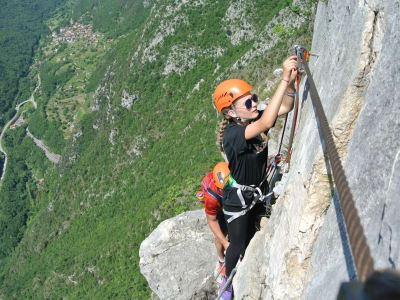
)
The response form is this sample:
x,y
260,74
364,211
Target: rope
x,y
283,133
272,169
296,112
360,250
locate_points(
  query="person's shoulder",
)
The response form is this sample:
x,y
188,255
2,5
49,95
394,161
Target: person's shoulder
x,y
234,136
232,128
231,124
211,205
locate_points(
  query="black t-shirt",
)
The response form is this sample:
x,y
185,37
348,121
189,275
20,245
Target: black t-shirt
x,y
247,158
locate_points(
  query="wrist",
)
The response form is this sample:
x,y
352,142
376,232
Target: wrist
x,y
285,80
290,93
291,89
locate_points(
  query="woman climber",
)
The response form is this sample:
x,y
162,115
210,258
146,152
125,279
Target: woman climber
x,y
242,137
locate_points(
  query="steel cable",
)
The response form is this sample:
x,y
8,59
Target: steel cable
x,y
361,254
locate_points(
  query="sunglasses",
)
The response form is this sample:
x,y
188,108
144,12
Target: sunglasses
x,y
248,103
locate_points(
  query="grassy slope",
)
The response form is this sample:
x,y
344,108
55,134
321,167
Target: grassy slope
x,y
83,236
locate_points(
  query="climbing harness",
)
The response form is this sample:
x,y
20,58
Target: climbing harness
x,y
240,188
274,170
235,215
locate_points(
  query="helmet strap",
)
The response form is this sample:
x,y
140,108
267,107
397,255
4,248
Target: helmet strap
x,y
238,118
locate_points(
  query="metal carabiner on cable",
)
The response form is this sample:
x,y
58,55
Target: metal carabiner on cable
x,y
298,50
301,52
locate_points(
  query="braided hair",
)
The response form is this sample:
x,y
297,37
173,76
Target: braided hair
x,y
221,128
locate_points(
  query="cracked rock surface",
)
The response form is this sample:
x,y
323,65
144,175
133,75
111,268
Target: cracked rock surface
x,y
372,163
178,258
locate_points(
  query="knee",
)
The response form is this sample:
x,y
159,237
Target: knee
x,y
237,248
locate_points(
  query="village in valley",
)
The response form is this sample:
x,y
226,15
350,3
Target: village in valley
x,y
75,50
74,32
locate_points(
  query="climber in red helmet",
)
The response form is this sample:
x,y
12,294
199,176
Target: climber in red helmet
x,y
211,195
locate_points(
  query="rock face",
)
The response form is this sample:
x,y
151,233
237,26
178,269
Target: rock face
x,y
269,37
178,258
302,252
127,100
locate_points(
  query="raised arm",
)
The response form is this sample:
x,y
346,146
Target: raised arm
x,y
287,102
274,107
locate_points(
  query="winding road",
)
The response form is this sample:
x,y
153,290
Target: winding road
x,y
31,99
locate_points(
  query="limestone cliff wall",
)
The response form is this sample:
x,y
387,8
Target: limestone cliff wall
x,y
302,252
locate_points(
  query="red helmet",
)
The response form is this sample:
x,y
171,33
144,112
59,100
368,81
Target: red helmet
x,y
228,91
221,174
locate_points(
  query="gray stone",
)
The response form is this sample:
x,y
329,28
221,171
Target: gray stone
x,y
278,73
237,22
127,100
373,169
178,258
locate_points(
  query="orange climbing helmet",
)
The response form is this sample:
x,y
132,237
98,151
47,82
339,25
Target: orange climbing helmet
x,y
228,91
221,174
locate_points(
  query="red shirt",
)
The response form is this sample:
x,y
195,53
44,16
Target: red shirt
x,y
211,193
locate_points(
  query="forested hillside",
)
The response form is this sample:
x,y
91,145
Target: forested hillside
x,y
128,105
21,27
